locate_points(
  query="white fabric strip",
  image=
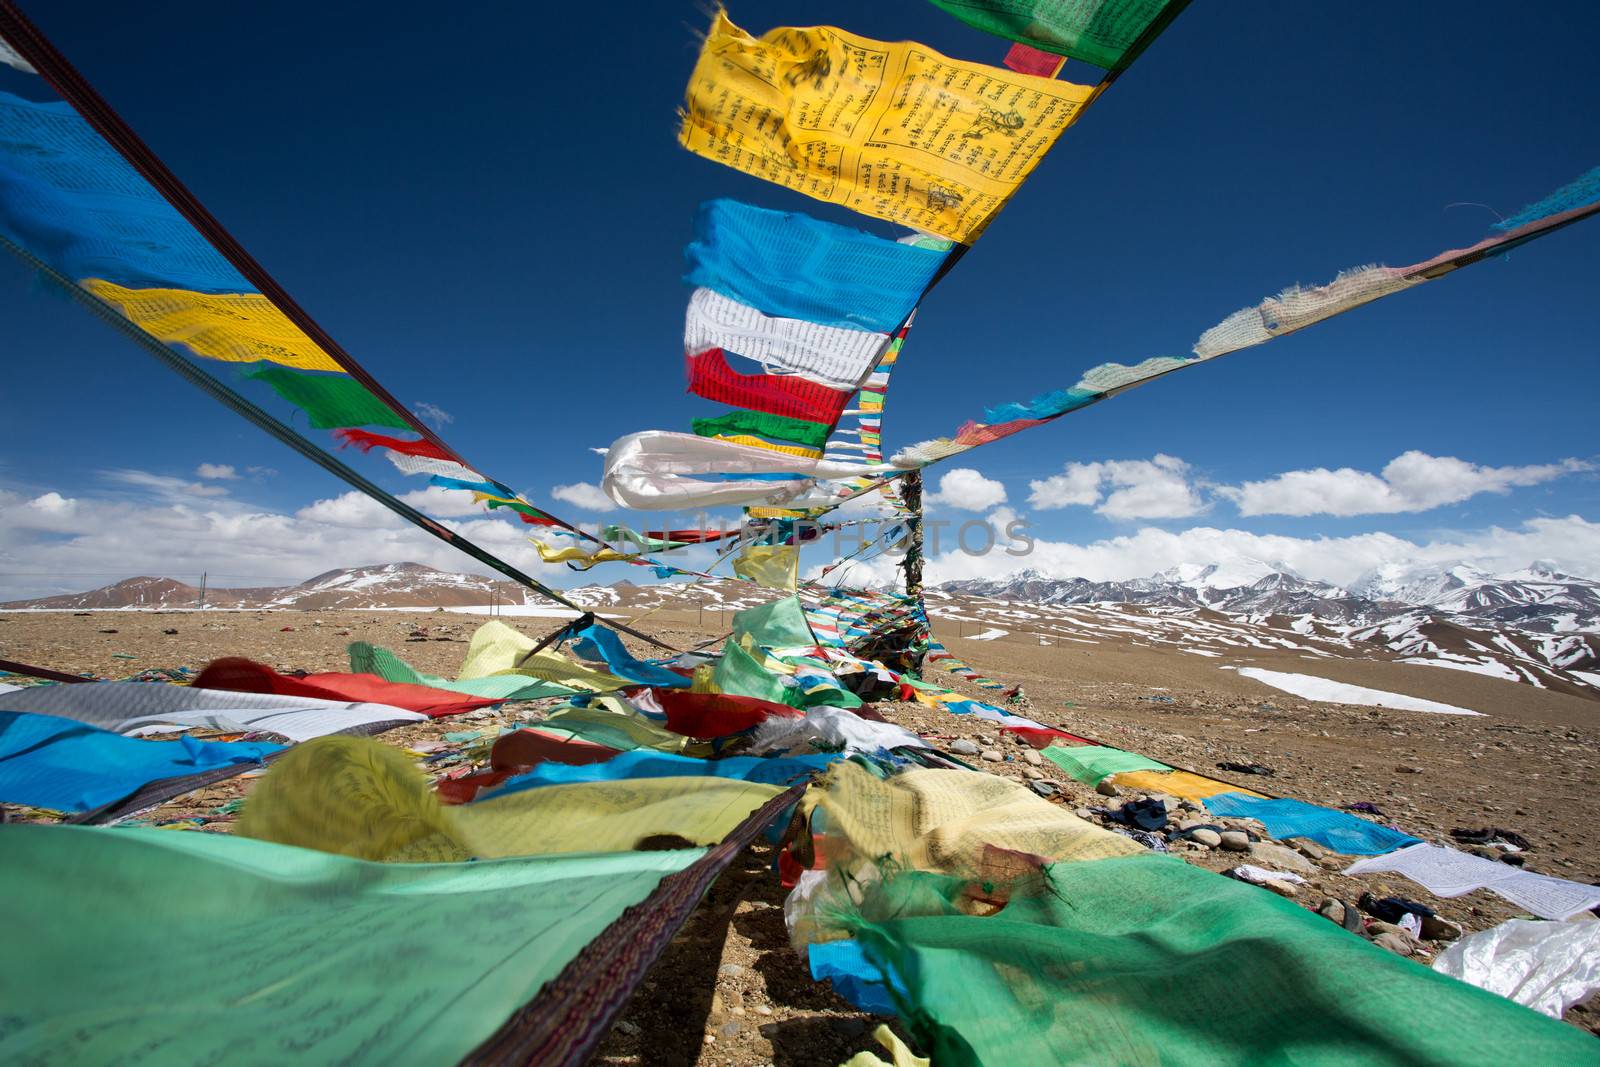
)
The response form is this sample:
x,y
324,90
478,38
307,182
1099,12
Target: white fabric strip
x,y
136,707
835,357
9,57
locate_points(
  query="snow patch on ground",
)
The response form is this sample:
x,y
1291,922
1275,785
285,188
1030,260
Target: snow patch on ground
x,y
988,635
1310,687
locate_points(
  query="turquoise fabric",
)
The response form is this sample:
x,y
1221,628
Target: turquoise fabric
x,y
791,265
1338,830
645,763
65,765
183,949
67,197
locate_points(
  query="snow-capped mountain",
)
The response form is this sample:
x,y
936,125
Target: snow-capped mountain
x,y
386,585
1535,625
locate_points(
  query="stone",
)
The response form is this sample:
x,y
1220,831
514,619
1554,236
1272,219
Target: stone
x,y
1044,789
1208,838
728,1029
1235,841
1435,928
1106,789
1283,858
994,755
732,970
1083,813
963,747
1402,768
1308,848
763,1009
1283,889
1032,773
1032,756
631,1029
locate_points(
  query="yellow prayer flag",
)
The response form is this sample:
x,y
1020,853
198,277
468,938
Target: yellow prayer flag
x,y
237,327
893,130
770,566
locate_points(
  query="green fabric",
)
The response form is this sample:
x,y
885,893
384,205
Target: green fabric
x,y
374,659
1090,763
1095,31
330,401
741,674
760,424
1148,960
776,624
192,948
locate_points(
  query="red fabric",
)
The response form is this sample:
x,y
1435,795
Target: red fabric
x,y
1025,59
521,750
715,714
698,537
517,753
368,441
1044,736
973,434
238,675
788,395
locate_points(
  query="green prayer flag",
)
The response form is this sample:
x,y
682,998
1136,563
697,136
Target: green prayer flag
x,y
1090,763
1146,959
1095,31
330,401
374,659
776,624
743,675
192,948
760,424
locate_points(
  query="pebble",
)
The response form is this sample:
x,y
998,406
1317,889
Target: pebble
x,y
1083,813
994,755
731,969
762,1009
1308,848
631,1029
1285,858
1106,789
1032,756
1044,789
1235,841
1208,838
963,747
1400,944
1283,889
1032,773
728,1029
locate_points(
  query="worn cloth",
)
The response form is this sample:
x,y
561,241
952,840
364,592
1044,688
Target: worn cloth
x,y
1090,763
1102,32
144,707
375,660
63,765
791,265
360,798
780,771
857,122
838,358
236,674
1148,960
755,423
1337,830
769,566
790,396
330,960
330,401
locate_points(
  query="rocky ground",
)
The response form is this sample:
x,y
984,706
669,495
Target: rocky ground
x,y
731,991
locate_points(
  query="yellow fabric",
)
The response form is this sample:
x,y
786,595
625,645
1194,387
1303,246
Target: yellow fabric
x,y
896,130
358,797
900,1054
770,566
774,513
551,554
238,327
940,820
496,648
756,442
1181,784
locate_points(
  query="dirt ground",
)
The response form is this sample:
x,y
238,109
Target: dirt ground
x,y
730,990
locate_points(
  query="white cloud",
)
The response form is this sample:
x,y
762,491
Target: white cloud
x,y
601,451
216,471
966,490
161,485
441,503
433,414
1572,543
585,495
1157,488
1413,481
162,533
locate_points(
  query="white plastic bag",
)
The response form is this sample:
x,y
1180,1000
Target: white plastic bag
x,y
1547,966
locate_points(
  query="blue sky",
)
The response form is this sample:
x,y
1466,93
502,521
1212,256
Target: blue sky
x,y
488,209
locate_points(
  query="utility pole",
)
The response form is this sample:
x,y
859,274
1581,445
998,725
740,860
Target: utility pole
x,y
200,605
911,495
